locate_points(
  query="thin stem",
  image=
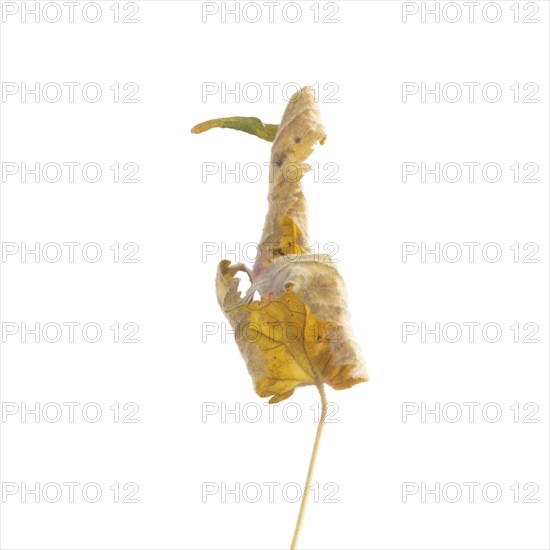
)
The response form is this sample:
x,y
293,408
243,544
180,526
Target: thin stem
x,y
321,388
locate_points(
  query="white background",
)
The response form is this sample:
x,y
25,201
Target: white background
x,y
368,212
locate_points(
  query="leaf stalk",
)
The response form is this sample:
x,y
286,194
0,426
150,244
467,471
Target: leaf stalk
x,y
307,485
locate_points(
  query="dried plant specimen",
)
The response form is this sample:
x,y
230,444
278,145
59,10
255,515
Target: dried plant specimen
x,y
298,333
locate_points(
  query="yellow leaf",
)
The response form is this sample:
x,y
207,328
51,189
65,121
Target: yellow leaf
x,y
296,347
289,242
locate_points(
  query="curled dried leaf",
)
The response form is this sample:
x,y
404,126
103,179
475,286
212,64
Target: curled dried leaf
x,y
299,332
286,220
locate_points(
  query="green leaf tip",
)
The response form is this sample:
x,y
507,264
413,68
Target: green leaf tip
x,y
250,125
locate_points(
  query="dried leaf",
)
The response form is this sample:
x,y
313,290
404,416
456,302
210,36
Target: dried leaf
x,y
300,130
297,347
299,291
298,333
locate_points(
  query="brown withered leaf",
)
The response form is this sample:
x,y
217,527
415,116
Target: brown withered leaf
x,y
298,332
300,130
